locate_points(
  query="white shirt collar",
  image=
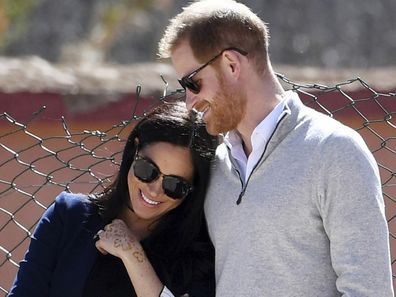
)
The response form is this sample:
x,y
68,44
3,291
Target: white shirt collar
x,y
259,138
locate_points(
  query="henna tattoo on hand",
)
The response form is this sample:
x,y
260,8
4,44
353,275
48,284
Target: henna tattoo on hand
x,y
120,236
139,256
125,243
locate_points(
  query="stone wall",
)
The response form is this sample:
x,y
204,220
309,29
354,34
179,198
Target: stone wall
x,y
331,34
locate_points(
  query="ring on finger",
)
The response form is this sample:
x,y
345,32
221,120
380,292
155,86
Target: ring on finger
x,y
97,235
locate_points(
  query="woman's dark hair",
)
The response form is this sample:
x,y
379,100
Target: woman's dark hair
x,y
179,247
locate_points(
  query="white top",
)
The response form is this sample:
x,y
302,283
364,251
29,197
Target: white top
x,y
259,138
166,293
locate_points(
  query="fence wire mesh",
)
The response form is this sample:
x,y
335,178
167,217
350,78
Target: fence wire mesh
x,y
36,166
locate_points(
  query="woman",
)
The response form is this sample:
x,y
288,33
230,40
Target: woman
x,y
145,235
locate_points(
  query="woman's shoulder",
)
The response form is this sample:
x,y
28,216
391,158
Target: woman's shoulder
x,y
74,203
71,200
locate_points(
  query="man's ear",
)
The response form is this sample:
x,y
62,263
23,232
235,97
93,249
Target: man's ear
x,y
232,64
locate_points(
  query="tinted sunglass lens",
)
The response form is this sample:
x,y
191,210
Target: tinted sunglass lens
x,y
181,82
192,86
175,187
145,171
188,83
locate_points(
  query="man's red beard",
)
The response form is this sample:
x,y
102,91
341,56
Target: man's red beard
x,y
227,108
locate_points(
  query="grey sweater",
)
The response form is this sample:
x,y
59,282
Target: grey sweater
x,y
311,219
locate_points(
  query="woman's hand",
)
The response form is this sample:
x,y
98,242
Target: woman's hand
x,y
118,240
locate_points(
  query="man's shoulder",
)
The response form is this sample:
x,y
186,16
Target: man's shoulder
x,y
303,118
325,126
320,132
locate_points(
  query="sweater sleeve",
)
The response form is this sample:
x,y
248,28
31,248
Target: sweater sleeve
x,y
35,271
353,214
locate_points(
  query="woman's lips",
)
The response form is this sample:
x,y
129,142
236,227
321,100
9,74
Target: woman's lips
x,y
148,201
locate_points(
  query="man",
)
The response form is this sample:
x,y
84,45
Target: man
x,y
295,205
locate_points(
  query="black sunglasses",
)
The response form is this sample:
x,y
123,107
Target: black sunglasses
x,y
187,81
147,171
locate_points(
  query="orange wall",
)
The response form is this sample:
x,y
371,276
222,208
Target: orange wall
x,y
27,210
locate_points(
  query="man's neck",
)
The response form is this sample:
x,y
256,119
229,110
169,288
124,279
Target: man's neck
x,y
263,94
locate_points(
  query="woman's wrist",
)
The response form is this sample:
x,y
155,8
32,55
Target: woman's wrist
x,y
142,274
134,253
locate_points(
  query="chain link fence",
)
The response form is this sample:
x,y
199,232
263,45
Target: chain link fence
x,y
37,163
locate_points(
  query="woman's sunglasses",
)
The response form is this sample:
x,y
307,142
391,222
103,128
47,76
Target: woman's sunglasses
x,y
147,171
187,81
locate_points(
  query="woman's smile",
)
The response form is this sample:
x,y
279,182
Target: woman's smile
x,y
146,200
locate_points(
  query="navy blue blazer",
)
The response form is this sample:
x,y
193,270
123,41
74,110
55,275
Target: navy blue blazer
x,y
62,250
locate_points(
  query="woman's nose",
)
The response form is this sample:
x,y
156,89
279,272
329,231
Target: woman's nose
x,y
155,187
